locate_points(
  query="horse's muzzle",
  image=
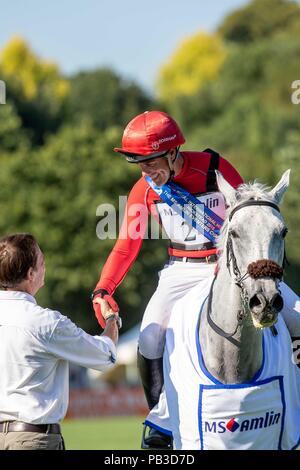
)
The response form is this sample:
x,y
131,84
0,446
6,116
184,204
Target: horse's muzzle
x,y
265,311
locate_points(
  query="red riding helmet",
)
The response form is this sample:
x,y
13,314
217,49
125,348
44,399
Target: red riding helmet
x,y
150,135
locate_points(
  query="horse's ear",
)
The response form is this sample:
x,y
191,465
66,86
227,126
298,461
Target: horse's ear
x,y
228,191
278,191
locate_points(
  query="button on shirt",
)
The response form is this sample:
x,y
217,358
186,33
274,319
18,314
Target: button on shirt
x,y
36,346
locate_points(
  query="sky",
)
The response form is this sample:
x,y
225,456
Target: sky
x,y
134,37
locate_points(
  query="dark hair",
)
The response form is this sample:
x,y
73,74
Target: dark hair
x,y
18,253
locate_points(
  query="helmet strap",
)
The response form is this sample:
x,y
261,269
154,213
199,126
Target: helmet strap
x,y
171,164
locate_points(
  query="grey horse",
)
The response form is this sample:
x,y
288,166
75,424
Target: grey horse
x,y
248,297
229,378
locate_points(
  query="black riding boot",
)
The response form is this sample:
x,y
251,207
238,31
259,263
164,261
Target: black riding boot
x,y
151,372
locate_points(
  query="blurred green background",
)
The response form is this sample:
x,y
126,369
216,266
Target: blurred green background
x,y
123,433
229,90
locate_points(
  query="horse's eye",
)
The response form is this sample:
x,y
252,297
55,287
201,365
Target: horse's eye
x,y
234,234
284,232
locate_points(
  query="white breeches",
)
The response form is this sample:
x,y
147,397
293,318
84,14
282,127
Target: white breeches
x,y
175,280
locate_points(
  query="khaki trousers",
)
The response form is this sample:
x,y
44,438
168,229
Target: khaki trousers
x,y
31,441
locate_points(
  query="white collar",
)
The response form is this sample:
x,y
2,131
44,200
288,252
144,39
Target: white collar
x,y
16,295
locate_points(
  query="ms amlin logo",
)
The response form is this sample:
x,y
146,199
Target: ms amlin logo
x,y
2,92
269,419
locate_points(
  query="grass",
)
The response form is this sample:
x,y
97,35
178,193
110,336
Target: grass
x,y
120,433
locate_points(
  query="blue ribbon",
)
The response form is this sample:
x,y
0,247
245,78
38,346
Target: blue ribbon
x,y
194,212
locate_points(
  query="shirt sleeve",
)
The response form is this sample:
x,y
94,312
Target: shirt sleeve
x,y
130,239
68,341
230,173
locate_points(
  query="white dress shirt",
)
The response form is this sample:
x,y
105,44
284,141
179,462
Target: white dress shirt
x,y
36,346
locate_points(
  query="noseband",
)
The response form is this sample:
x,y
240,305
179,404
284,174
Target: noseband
x,y
257,269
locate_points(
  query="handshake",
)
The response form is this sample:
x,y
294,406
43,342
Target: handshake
x,y
106,308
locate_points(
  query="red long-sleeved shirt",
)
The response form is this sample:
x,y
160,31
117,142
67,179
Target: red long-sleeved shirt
x,y
142,198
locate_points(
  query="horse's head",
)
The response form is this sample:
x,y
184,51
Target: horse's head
x,y
252,240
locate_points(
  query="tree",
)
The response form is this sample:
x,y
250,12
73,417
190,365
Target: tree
x,y
35,86
12,135
247,111
196,61
104,99
287,156
261,19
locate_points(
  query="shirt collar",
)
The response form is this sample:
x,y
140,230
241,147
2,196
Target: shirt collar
x,y
16,295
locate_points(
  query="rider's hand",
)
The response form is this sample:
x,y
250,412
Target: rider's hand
x,y
103,305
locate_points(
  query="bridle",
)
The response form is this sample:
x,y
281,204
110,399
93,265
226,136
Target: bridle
x,y
238,277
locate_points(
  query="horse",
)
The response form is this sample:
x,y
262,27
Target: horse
x,y
230,382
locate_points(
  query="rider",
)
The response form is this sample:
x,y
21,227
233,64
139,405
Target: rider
x,y
152,141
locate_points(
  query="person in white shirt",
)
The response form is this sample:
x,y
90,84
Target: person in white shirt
x,y
36,346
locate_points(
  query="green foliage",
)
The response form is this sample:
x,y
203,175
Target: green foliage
x,y
287,156
104,99
12,135
261,19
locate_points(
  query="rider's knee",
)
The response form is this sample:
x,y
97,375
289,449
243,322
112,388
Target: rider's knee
x,y
151,341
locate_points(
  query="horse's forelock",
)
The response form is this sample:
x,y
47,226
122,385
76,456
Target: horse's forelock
x,y
245,192
253,190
